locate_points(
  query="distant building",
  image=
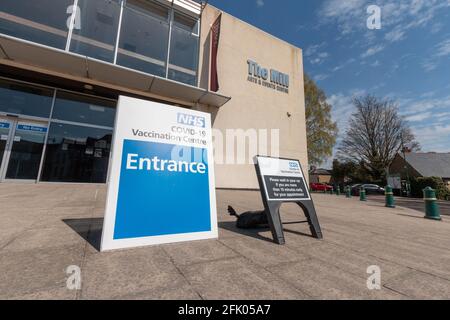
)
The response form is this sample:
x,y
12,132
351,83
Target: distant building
x,y
422,165
320,175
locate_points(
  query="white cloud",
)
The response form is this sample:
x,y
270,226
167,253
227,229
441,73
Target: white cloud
x,y
260,3
428,94
429,65
433,138
441,50
398,17
372,51
342,108
345,13
419,117
343,65
311,50
395,35
321,77
319,58
375,64
414,109
339,8
437,27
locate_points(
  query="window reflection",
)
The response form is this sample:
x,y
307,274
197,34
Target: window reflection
x,y
5,126
26,151
84,109
144,38
41,21
97,33
184,44
24,99
76,154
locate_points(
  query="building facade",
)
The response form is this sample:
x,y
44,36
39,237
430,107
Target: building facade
x,y
64,63
320,175
418,164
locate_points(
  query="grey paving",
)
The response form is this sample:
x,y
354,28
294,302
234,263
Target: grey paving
x,y
46,228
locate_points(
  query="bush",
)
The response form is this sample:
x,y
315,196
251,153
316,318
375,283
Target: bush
x,y
436,183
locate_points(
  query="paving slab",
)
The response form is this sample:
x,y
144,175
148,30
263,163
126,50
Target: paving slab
x,y
198,252
44,238
125,272
262,252
59,293
36,270
420,285
238,278
320,280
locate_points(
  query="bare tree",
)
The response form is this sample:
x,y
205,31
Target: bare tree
x,y
375,135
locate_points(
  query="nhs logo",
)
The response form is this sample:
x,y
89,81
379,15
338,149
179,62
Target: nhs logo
x,y
294,165
190,120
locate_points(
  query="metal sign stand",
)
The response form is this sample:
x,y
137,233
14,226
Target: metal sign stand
x,y
272,207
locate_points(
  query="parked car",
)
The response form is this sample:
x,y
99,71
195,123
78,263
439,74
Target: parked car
x,y
370,189
320,187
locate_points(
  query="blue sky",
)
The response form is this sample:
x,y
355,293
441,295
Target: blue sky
x,y
407,60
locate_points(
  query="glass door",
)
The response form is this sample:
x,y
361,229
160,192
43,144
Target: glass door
x,y
5,130
23,156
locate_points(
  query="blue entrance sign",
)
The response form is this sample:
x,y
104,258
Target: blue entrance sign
x,y
4,125
149,181
161,186
27,127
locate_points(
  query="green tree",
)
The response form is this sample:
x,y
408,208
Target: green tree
x,y
321,131
343,171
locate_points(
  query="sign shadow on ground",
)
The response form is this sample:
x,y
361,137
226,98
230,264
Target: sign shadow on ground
x,y
90,229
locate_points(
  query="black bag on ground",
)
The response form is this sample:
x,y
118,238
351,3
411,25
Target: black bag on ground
x,y
250,219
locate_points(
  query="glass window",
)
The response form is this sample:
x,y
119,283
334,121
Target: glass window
x,y
76,154
144,38
26,151
184,50
186,23
97,31
41,21
17,98
149,8
180,76
78,108
5,126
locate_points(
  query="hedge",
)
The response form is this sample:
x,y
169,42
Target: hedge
x,y
436,183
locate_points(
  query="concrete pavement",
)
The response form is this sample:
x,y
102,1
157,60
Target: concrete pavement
x,y
46,228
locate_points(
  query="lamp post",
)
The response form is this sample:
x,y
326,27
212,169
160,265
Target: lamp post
x,y
408,182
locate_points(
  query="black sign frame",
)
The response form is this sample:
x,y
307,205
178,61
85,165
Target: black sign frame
x,y
272,207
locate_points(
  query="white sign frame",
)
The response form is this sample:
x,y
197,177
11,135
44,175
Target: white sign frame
x,y
136,113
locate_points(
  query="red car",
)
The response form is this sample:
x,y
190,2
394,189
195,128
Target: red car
x,y
320,187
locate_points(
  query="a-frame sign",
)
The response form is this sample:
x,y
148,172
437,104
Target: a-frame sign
x,y
281,181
